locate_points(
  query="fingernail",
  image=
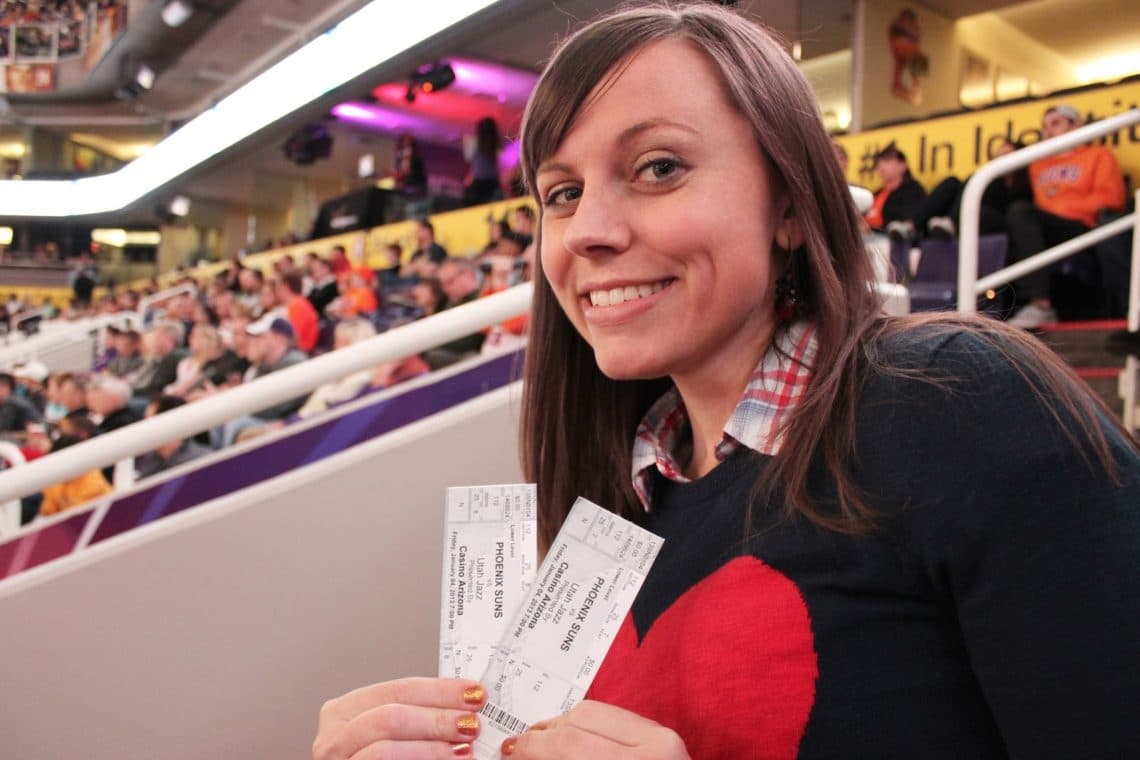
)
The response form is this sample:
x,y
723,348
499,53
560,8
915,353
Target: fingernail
x,y
461,750
468,725
473,695
508,747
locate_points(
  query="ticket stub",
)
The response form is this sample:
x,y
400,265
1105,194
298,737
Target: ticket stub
x,y
489,559
566,624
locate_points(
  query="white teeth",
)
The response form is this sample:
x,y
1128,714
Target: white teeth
x,y
615,296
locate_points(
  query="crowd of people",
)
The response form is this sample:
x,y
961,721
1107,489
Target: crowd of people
x,y
244,323
1054,199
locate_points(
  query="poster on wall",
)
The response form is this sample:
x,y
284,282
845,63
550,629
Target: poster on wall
x,y
28,77
910,63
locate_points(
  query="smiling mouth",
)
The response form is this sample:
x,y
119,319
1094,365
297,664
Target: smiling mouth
x,y
615,296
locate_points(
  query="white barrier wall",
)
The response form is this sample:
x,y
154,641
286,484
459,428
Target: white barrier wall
x,y
219,632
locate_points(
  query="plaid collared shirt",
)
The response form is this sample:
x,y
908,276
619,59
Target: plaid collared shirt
x,y
773,390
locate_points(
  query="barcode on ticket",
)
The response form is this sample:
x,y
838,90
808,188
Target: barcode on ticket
x,y
503,719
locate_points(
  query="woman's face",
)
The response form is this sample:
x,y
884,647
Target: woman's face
x,y
659,215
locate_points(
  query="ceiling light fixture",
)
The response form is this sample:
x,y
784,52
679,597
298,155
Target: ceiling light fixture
x,y
361,42
176,12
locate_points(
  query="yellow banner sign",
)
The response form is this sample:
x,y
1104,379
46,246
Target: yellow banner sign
x,y
957,145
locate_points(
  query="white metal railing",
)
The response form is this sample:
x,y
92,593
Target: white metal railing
x,y
10,508
27,316
275,388
53,338
969,286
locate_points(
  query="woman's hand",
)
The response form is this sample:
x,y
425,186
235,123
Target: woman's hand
x,y
596,730
403,719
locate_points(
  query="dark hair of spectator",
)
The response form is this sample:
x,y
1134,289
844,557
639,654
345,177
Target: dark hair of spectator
x,y
63,441
293,281
166,403
487,138
9,380
427,226
438,295
81,423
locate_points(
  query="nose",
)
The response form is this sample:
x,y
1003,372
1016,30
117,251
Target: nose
x,y
599,225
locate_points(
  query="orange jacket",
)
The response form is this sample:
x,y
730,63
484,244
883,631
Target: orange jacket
x,y
306,326
1078,184
79,490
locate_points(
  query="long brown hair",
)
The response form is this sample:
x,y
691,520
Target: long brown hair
x,y
578,425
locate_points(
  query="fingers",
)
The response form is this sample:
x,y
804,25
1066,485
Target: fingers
x,y
431,710
413,751
427,692
406,723
595,729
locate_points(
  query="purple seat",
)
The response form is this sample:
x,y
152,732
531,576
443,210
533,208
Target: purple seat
x,y
935,284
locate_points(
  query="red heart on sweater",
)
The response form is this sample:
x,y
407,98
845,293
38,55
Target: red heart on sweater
x,y
730,665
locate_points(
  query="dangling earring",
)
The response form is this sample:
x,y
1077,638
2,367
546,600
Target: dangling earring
x,y
787,299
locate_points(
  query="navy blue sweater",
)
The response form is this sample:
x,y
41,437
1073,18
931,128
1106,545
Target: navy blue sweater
x,y
994,613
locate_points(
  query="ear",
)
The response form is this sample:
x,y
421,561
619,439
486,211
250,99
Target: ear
x,y
789,231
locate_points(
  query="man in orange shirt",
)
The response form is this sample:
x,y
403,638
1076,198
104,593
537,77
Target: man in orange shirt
x,y
1069,190
302,316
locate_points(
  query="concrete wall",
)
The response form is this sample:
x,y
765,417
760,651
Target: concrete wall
x,y
219,632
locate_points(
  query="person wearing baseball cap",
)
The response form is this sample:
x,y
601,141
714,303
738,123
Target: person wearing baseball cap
x,y
1070,190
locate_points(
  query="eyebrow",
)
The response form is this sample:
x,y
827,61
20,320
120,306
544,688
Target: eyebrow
x,y
627,135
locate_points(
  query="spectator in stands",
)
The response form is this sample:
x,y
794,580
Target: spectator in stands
x,y
841,156
269,350
299,311
460,281
209,363
358,300
897,201
428,254
30,378
347,333
428,294
172,454
75,492
937,215
270,299
71,394
83,277
338,258
324,290
250,282
1069,191
522,222
161,354
184,310
109,402
393,373
15,411
408,170
128,359
481,150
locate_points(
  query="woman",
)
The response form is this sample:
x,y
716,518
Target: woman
x,y
482,152
883,538
210,363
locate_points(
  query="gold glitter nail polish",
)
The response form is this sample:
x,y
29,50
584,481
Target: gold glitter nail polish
x,y
468,725
509,746
473,695
461,750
